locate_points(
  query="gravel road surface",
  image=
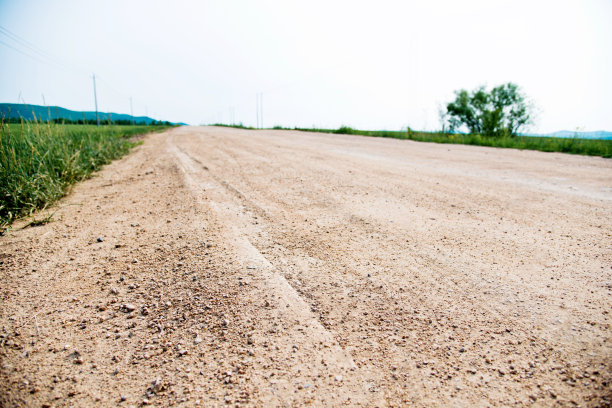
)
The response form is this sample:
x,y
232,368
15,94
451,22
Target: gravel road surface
x,y
226,267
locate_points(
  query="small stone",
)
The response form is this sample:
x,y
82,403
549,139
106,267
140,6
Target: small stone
x,y
198,339
78,360
129,308
157,385
123,398
338,378
99,239
145,402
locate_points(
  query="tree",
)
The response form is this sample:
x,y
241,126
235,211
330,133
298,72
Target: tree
x,y
501,112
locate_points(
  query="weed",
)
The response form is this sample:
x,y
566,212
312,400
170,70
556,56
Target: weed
x,y
38,222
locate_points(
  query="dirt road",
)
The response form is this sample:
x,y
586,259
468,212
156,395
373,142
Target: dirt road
x,y
217,267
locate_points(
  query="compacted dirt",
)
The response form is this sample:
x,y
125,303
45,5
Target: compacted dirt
x,y
217,267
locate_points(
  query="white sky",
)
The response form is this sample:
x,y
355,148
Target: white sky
x,y
371,65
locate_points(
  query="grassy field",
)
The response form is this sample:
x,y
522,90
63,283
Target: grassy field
x,y
587,147
39,161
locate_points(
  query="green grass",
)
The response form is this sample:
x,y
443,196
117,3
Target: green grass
x,y
236,125
40,161
587,147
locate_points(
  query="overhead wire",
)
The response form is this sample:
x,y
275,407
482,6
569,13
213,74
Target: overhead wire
x,y
25,47
21,52
31,50
25,43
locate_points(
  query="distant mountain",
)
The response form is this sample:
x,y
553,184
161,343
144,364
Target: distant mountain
x,y
45,113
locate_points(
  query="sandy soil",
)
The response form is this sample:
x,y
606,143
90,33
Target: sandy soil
x,y
217,267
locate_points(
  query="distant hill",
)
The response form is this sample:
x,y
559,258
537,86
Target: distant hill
x,y
45,113
565,134
600,134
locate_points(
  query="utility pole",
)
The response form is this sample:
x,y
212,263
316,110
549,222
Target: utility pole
x,y
96,101
261,108
131,111
48,109
257,108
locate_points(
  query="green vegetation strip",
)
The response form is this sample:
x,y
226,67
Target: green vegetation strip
x,y
40,161
587,147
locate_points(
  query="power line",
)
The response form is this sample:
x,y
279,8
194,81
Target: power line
x,y
27,48
112,88
25,43
22,52
30,50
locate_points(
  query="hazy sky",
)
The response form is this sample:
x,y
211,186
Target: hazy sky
x,y
371,64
